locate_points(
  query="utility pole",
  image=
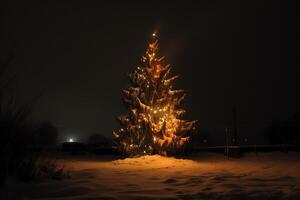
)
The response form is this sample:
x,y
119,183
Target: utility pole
x,y
234,119
227,140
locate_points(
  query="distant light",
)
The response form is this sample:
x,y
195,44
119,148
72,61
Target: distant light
x,y
154,34
71,140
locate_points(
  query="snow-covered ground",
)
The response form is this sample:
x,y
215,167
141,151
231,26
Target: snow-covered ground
x,y
202,176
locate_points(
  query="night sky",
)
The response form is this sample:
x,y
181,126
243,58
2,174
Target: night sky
x,y
75,56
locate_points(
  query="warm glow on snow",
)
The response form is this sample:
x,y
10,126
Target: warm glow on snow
x,y
203,176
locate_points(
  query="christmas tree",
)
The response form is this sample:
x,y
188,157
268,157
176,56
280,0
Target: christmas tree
x,y
153,124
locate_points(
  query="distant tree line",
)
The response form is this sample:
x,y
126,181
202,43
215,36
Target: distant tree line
x,y
285,131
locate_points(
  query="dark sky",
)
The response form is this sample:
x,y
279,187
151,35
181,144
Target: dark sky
x,y
76,55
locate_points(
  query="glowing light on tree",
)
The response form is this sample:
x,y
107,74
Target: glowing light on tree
x,y
153,124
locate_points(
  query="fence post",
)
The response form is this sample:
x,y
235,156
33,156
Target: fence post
x,y
285,149
226,151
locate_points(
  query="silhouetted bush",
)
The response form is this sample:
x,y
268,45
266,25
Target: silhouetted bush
x,y
27,167
21,141
20,147
53,170
15,134
23,149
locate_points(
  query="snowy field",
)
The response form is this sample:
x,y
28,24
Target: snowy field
x,y
202,176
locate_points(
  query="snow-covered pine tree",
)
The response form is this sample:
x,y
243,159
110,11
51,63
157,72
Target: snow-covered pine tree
x,y
153,124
